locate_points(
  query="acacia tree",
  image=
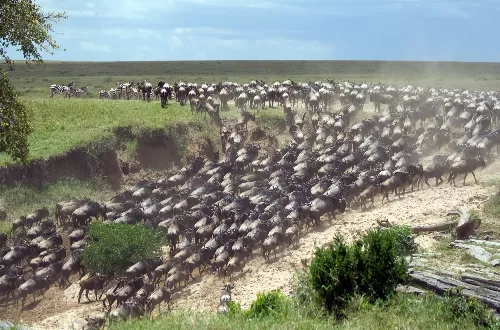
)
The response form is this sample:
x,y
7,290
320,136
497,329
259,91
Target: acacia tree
x,y
25,27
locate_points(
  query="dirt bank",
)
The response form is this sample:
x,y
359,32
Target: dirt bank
x,y
109,160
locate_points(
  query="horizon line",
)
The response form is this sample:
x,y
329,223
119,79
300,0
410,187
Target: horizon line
x,y
249,60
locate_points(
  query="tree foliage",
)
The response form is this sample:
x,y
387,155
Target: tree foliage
x,y
113,247
26,28
14,122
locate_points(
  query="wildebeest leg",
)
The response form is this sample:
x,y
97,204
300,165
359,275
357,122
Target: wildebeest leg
x,y
80,294
95,291
450,177
465,176
474,176
87,294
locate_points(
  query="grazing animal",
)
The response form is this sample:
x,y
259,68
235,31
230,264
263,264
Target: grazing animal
x,y
95,283
464,167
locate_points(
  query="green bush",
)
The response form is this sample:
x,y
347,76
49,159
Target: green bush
x,y
272,304
380,267
113,247
460,307
371,267
333,275
404,238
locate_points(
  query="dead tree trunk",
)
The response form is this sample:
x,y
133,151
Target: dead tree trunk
x,y
440,285
465,226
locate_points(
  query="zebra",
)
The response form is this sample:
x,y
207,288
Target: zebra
x,y
104,94
127,89
113,94
55,89
78,92
145,88
135,93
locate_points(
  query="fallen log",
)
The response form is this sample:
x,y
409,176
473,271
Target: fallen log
x,y
436,227
441,285
481,279
482,285
464,226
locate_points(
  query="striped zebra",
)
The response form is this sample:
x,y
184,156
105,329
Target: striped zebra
x,y
145,88
60,89
135,93
77,92
113,94
127,90
104,94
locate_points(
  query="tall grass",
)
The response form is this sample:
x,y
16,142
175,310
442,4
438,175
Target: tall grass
x,y
402,311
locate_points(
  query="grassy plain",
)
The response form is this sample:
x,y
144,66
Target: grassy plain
x,y
34,81
61,124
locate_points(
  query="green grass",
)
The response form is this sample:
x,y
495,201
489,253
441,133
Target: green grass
x,y
402,311
22,200
492,206
131,147
61,124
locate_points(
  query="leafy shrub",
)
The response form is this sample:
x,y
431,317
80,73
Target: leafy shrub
x,y
333,276
272,304
114,247
460,307
404,238
371,267
234,308
381,268
303,291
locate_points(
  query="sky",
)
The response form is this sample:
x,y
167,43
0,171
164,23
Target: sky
x,y
137,30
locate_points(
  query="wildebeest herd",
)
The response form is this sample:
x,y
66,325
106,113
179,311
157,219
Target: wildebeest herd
x,y
217,211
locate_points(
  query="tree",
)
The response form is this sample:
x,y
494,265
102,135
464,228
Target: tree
x,y
24,26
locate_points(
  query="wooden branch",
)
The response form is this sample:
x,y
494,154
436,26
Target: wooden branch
x,y
436,227
464,225
481,279
482,285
